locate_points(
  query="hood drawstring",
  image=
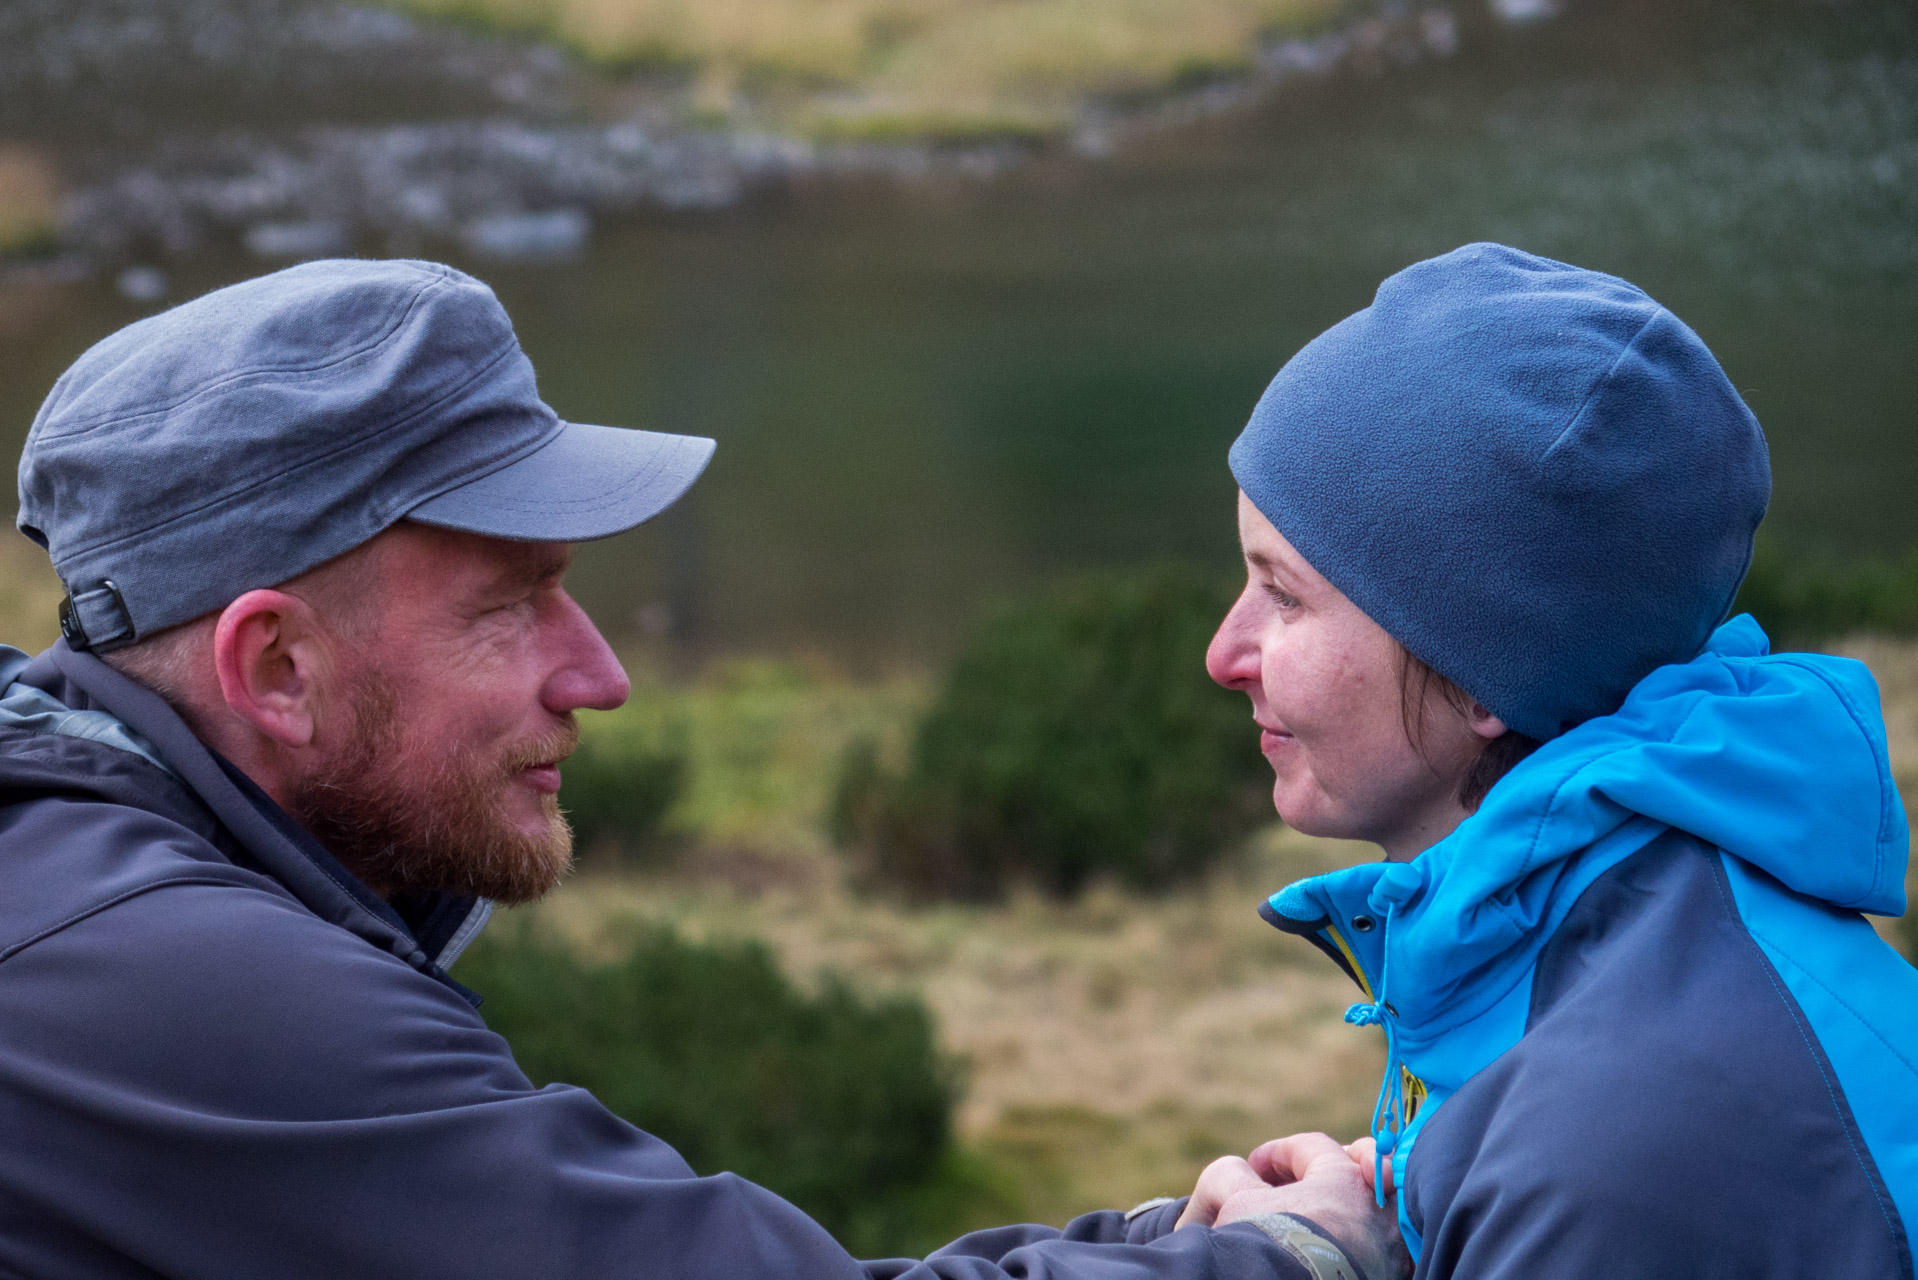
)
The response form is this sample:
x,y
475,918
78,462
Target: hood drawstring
x,y
1388,1113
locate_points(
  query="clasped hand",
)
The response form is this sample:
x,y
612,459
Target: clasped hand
x,y
1311,1175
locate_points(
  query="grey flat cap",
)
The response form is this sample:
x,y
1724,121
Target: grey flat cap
x,y
242,438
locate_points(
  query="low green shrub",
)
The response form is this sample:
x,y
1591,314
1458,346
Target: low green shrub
x,y
1805,604
1077,736
620,787
840,1104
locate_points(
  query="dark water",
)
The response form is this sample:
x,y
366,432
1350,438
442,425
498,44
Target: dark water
x,y
929,396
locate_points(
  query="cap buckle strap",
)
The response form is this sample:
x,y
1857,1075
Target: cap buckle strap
x,y
96,619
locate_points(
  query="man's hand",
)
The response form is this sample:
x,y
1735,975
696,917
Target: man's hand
x,y
1313,1176
1223,1178
1268,1167
1270,1161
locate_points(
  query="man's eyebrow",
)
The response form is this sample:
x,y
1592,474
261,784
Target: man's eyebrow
x,y
536,565
550,562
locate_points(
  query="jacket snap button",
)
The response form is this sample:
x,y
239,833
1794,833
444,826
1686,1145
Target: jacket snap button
x,y
1363,923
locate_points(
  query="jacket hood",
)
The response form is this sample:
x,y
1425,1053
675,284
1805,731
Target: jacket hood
x,y
71,725
1777,759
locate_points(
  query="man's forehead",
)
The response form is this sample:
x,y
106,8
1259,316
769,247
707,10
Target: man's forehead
x,y
475,559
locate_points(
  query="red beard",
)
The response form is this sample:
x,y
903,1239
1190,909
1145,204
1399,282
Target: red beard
x,y
440,828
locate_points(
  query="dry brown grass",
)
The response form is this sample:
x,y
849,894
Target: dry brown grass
x,y
1036,60
1144,1035
30,594
29,198
910,65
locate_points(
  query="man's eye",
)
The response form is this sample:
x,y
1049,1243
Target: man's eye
x,y
509,608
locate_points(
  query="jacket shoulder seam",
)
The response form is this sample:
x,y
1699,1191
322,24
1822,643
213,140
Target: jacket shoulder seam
x,y
1837,999
94,909
1832,1091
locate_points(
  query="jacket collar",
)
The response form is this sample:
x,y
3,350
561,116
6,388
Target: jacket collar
x,y
442,925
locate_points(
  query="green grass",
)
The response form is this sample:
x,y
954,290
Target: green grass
x,y
760,742
842,1103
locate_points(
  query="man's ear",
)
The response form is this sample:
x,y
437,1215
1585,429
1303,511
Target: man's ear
x,y
272,656
1485,724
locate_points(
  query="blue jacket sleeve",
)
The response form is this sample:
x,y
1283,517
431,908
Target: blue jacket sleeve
x,y
204,1079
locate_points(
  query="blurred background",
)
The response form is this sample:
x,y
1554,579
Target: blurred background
x,y
918,879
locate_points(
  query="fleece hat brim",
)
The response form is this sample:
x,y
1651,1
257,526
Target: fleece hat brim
x,y
1534,477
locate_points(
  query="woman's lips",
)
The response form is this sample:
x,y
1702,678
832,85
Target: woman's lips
x,y
1271,739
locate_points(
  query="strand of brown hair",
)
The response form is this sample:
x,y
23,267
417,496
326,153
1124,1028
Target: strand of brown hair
x,y
1417,683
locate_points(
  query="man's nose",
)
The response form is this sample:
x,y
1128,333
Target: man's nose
x,y
586,676
1232,659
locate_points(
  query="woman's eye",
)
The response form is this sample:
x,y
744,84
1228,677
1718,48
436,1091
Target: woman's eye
x,y
1281,597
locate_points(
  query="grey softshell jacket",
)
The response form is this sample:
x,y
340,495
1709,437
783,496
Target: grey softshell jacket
x,y
221,1056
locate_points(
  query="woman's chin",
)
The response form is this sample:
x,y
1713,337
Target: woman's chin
x,y
1305,814
1312,814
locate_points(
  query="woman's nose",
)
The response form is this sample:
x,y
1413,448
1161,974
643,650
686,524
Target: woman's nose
x,y
1232,659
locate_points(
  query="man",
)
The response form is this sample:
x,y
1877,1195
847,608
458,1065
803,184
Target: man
x,y
307,721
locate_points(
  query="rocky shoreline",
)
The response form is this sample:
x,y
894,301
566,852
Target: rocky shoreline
x,y
208,136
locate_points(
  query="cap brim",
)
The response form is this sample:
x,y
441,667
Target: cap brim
x,y
586,482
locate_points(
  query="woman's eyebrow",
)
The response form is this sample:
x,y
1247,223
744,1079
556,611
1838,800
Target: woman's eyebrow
x,y
1281,569
1269,563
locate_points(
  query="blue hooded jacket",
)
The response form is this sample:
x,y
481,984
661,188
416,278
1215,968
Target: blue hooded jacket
x,y
222,1056
1636,1024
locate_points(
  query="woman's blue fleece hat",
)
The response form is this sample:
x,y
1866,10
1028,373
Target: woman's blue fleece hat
x,y
1533,476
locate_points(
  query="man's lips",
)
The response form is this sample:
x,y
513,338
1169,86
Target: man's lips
x,y
543,777
538,759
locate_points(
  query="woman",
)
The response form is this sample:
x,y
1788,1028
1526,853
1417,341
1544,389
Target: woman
x,y
1635,1023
